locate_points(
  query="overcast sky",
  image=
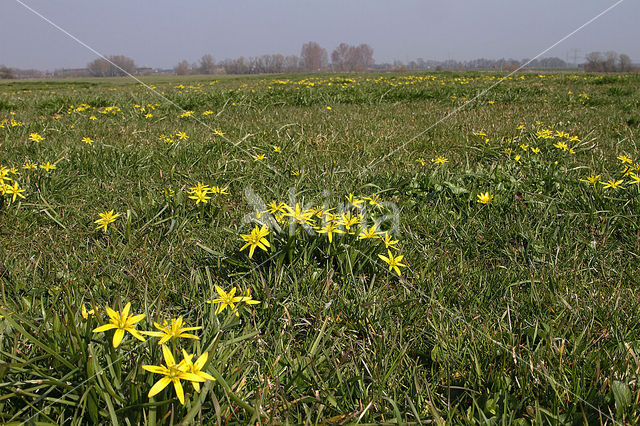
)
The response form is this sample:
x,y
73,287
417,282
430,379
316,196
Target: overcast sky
x,y
160,33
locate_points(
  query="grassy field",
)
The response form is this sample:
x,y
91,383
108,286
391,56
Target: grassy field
x,y
516,216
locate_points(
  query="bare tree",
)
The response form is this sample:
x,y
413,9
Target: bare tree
x,y
352,58
207,65
611,60
113,66
314,57
99,67
6,72
183,68
624,62
595,62
292,63
365,57
339,57
236,66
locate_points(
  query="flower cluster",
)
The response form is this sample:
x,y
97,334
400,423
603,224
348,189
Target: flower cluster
x,y
349,220
9,186
200,192
169,332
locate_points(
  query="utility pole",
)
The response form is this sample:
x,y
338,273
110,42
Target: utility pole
x,y
575,56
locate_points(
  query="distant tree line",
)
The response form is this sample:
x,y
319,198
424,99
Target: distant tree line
x,y
479,64
113,66
608,62
6,72
314,58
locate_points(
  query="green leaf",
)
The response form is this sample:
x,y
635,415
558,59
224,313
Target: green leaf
x,y
622,396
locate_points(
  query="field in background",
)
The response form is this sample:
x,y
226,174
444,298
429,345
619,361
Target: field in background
x,y
520,309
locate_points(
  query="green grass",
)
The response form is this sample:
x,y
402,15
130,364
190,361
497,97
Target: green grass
x,y
522,311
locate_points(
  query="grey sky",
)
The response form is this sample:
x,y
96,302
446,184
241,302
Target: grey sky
x,y
160,33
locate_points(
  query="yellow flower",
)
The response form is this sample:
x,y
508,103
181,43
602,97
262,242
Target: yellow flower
x,y
248,300
593,179
200,196
148,115
276,148
389,242
421,161
196,367
348,220
13,190
393,261
48,166
256,239
199,187
30,166
613,184
275,207
371,233
355,202
330,229
535,150
173,374
635,179
485,198
561,145
226,299
218,133
121,322
259,157
374,200
625,159
517,158
440,160
85,313
186,114
172,331
299,215
105,219
93,117
87,140
35,137
182,135
207,112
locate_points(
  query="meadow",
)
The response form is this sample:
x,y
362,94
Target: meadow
x,y
321,249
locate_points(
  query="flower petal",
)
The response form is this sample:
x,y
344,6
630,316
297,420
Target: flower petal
x,y
158,369
117,337
192,377
201,361
136,334
165,338
104,328
189,336
125,311
206,376
160,384
153,333
179,390
112,314
168,356
135,318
